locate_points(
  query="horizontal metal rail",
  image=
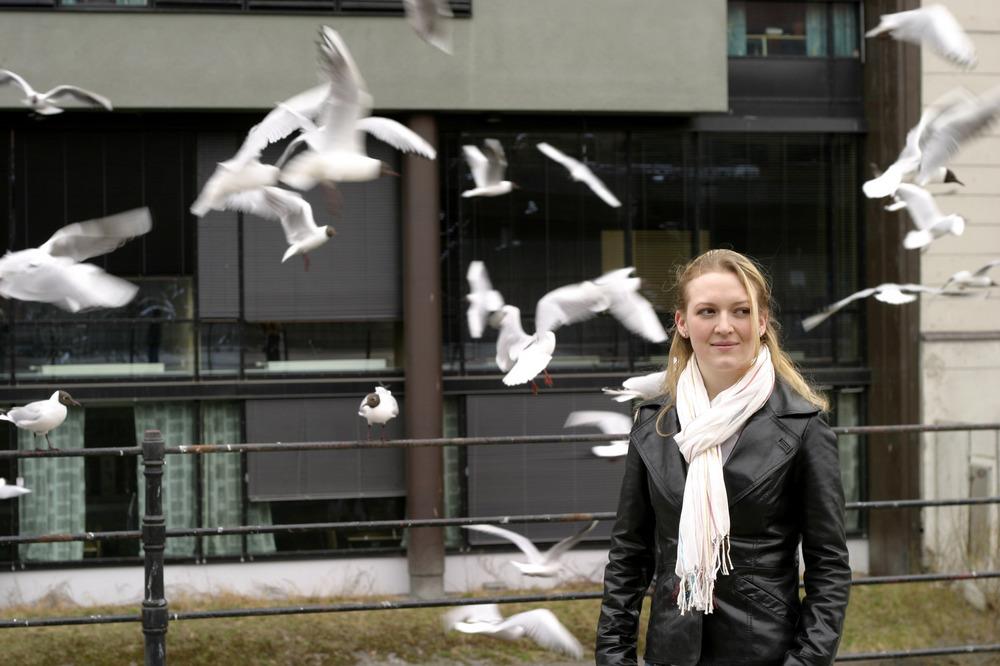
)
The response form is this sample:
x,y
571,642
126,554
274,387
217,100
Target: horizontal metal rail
x,y
122,535
920,652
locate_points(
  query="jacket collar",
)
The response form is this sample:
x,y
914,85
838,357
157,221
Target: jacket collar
x,y
761,446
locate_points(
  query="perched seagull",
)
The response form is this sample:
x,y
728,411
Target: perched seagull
x,y
337,144
429,19
45,103
894,294
18,489
483,299
295,214
519,355
488,170
540,564
580,172
978,279
42,416
932,26
379,407
930,222
610,423
53,272
540,625
644,387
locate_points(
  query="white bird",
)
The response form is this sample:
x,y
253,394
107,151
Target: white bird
x,y
52,272
580,172
644,387
379,407
429,18
488,170
42,416
16,490
45,103
610,423
336,145
930,222
540,564
295,214
974,279
894,294
627,306
539,625
932,26
961,119
483,299
519,355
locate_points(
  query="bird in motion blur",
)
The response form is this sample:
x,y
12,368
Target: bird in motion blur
x,y
580,172
894,294
540,625
16,489
643,387
610,423
931,223
483,299
430,19
978,279
489,168
42,416
378,407
932,26
55,271
47,103
545,564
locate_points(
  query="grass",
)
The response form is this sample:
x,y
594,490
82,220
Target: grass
x,y
881,617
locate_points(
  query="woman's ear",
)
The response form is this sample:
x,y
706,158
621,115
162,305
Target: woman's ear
x,y
680,323
762,324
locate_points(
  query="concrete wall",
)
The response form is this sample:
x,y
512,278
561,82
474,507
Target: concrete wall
x,y
961,379
629,56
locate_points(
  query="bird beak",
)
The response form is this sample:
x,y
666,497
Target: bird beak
x,y
73,402
386,171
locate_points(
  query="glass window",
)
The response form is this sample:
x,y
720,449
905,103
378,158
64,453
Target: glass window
x,y
803,29
111,481
846,405
356,348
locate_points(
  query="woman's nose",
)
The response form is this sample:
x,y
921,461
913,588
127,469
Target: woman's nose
x,y
723,325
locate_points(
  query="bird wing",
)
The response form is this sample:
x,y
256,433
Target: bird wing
x,y
985,269
496,161
518,540
569,304
647,386
558,156
396,135
274,203
83,240
79,94
543,627
64,283
292,146
942,33
7,76
26,414
348,101
598,187
955,125
532,359
483,298
610,423
637,315
811,322
427,17
478,164
919,204
512,338
485,613
478,277
281,121
556,551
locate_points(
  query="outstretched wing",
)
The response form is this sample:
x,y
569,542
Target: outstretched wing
x,y
518,540
396,135
80,95
83,240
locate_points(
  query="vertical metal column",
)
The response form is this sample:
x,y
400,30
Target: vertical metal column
x,y
422,402
154,541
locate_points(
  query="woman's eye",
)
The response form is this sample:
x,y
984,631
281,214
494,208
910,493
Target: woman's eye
x,y
705,312
743,312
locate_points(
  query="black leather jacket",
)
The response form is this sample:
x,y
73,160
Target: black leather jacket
x,y
783,483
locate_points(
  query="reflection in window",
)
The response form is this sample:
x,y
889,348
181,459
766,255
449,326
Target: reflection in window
x,y
278,347
846,407
805,29
339,510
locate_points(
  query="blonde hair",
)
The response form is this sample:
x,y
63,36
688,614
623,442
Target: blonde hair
x,y
758,289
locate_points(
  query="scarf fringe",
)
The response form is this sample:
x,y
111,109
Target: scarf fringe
x,y
697,588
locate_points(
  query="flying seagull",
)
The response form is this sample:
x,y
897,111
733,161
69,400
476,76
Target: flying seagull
x,y
580,172
295,214
8,491
53,272
545,564
46,103
974,279
430,20
488,167
930,222
42,416
540,625
644,387
378,407
894,294
483,299
521,356
956,123
932,26
336,144
610,423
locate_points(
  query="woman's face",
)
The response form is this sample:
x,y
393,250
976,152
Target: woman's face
x,y
717,322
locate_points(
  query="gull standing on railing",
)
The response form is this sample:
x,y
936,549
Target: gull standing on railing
x,y
378,407
580,172
540,564
540,625
45,103
42,416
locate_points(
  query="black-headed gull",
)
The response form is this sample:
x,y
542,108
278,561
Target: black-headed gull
x,y
965,117
610,423
378,407
521,356
933,26
644,387
430,20
540,564
42,416
539,625
53,272
45,103
336,145
7,491
930,222
580,172
894,294
488,167
483,299
295,214
974,279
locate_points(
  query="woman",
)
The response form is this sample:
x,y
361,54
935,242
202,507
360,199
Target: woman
x,y
725,474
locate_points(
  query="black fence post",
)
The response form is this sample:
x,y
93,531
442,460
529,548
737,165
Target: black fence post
x,y
154,541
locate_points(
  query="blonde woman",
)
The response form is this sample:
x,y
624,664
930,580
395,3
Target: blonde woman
x,y
726,473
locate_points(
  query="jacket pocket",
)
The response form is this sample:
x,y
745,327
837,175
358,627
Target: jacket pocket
x,y
764,599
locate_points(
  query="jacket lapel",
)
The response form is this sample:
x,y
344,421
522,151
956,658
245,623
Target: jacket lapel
x,y
663,459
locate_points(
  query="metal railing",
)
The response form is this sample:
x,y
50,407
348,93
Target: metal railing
x,y
460,8
155,615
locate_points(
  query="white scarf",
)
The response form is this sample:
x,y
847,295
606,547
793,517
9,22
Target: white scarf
x,y
703,539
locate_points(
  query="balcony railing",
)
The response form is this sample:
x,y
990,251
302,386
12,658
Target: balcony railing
x,y
460,8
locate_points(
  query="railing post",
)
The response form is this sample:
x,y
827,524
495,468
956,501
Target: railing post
x,y
154,540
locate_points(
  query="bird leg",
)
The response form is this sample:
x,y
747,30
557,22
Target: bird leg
x,y
49,442
534,387
334,197
383,432
548,378
369,432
